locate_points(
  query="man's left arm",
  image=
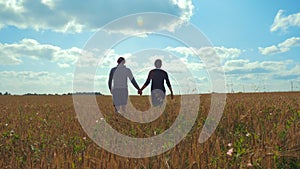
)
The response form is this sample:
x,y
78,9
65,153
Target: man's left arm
x,y
134,83
169,85
111,74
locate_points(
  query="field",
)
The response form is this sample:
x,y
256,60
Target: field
x,y
257,130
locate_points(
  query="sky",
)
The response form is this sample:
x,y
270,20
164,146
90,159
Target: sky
x,y
47,46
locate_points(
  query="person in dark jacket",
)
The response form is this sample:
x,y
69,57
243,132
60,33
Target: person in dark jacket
x,y
157,77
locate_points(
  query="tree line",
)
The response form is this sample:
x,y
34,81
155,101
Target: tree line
x,y
6,93
64,94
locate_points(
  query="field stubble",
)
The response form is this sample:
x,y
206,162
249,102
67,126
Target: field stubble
x,y
257,130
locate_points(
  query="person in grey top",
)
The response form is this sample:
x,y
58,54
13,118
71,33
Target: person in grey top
x,y
158,91
117,84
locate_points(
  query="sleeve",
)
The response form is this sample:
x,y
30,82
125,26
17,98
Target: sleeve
x,y
135,84
129,74
148,79
167,80
111,74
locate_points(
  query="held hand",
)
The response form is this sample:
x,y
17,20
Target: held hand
x,y
140,92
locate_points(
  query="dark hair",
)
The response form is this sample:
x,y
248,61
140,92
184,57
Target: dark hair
x,y
158,63
120,60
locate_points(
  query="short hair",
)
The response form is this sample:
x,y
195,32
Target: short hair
x,y
158,63
121,60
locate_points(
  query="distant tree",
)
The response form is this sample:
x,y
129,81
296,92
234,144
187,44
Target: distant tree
x,y
6,93
0,93
98,93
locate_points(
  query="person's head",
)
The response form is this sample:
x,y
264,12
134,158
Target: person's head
x,y
158,63
121,60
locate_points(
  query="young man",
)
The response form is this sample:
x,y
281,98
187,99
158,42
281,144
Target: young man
x,y
117,85
158,91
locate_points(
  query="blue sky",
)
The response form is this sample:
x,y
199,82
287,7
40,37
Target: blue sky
x,y
258,43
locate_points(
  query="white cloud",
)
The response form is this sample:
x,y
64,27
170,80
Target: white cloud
x,y
228,52
261,76
63,65
282,22
281,47
210,58
269,50
12,53
289,43
12,5
275,66
186,51
110,60
220,51
70,16
9,60
242,66
145,61
103,59
176,66
186,6
49,3
21,82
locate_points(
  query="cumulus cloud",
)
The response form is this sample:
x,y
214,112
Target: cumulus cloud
x,y
24,74
111,58
63,65
20,82
281,47
103,58
289,43
269,50
282,22
30,48
9,60
78,16
245,66
247,75
228,52
186,51
220,51
211,58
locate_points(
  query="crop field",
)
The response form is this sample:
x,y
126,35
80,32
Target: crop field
x,y
257,130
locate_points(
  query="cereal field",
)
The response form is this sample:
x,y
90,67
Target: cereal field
x,y
257,130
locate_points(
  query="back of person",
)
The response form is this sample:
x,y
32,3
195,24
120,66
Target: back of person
x,y
158,76
120,76
117,84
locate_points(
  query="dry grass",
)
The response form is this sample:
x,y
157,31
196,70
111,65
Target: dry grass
x,y
262,129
